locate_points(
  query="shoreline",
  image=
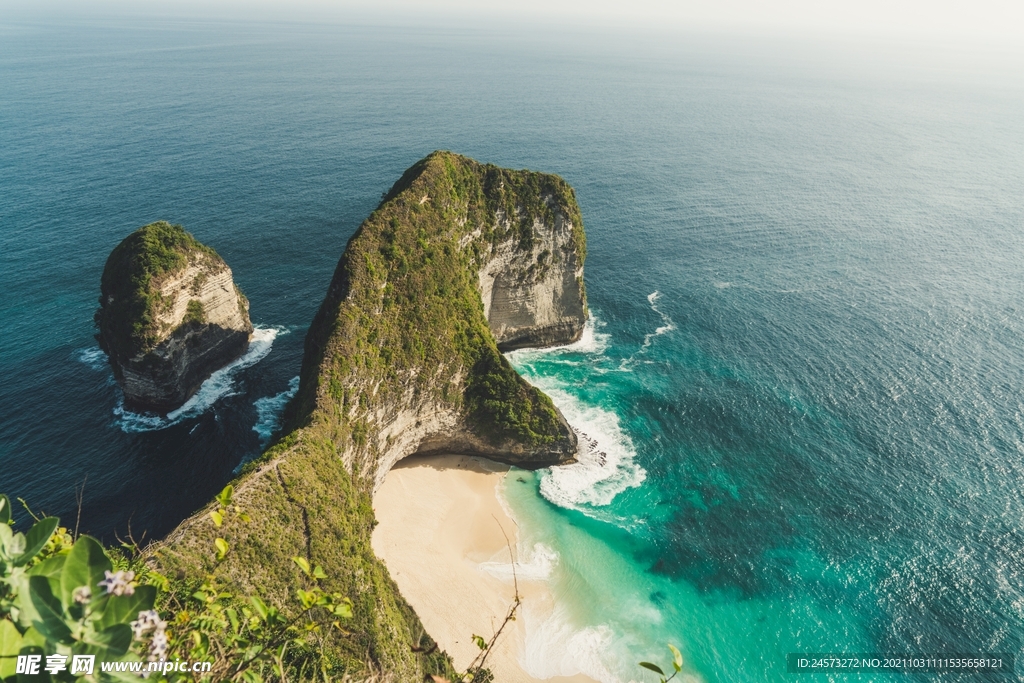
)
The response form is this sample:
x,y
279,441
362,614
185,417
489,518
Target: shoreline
x,y
439,519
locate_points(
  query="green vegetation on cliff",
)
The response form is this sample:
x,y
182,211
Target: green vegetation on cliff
x,y
129,290
400,339
404,311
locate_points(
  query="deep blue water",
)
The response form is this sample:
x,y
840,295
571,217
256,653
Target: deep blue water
x,y
805,264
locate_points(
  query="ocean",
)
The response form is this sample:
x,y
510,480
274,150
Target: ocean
x,y
800,389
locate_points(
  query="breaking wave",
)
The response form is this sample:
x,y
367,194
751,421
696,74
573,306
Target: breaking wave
x,y
606,460
269,410
591,341
536,564
94,357
220,384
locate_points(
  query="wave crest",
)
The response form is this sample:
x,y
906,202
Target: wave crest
x,y
606,460
220,384
269,409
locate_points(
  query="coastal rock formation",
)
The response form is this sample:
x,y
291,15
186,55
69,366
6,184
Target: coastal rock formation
x,y
460,260
402,358
170,315
532,290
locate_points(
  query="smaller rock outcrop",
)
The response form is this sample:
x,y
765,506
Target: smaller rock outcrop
x,y
170,315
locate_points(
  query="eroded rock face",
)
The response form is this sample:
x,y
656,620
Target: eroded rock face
x,y
533,295
170,315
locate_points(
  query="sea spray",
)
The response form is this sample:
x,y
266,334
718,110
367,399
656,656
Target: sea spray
x,y
269,410
606,460
220,384
606,465
592,341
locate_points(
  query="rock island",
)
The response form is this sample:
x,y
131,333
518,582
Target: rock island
x,y
170,315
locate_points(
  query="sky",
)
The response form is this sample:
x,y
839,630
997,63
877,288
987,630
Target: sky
x,y
996,21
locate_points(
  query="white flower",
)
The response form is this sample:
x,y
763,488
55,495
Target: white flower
x,y
147,621
158,646
82,595
150,621
118,583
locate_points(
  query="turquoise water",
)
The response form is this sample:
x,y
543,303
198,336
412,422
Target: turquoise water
x,y
802,380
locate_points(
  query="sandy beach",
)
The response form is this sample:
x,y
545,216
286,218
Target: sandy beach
x,y
439,519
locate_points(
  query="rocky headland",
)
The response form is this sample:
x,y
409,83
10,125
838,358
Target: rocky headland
x,y
170,315
459,261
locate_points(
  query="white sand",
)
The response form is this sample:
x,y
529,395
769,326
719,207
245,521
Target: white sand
x,y
439,518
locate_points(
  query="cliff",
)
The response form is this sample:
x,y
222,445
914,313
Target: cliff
x,y
403,357
170,314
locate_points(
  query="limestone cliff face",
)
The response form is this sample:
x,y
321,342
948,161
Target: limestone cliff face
x,y
533,295
170,315
402,358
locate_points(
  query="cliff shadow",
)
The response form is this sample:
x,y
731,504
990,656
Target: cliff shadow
x,y
449,461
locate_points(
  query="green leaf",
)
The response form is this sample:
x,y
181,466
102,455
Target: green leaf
x,y
6,537
123,609
318,572
10,646
344,609
51,567
677,657
653,667
35,539
15,546
47,613
480,642
303,564
306,598
217,517
5,513
224,497
111,641
85,566
261,607
32,638
222,548
159,580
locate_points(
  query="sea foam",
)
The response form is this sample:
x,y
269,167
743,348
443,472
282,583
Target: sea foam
x,y
606,459
592,341
269,409
554,647
667,325
534,564
220,384
94,357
